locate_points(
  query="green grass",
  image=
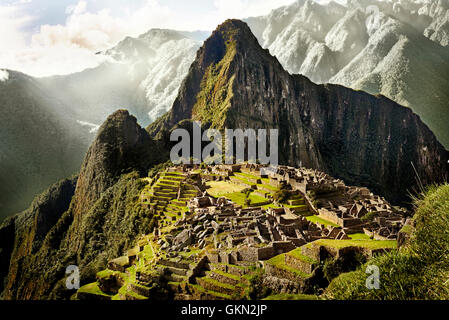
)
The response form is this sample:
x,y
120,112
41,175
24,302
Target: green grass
x,y
268,187
124,292
245,181
228,275
92,288
298,255
419,271
147,253
359,236
279,262
237,197
256,199
271,205
214,293
221,188
316,219
247,175
368,244
219,284
407,229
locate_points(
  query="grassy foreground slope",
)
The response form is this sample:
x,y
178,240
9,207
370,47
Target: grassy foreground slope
x,y
419,270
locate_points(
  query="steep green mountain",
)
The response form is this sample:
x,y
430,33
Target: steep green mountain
x,y
83,221
362,139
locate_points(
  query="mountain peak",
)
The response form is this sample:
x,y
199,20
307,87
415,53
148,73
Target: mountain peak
x,y
120,144
232,29
230,36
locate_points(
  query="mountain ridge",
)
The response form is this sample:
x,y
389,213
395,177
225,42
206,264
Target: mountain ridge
x,y
245,87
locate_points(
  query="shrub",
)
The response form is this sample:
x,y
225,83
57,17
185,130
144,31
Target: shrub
x,y
418,271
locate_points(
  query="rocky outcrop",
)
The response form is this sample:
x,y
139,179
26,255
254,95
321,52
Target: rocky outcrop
x,y
363,139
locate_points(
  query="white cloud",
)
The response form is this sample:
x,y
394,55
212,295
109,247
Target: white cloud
x,y
93,127
4,75
71,46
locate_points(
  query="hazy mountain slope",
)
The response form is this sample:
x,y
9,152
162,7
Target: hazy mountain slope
x,y
362,139
83,221
41,142
143,75
397,48
50,122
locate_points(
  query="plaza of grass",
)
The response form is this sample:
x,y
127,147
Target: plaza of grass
x,y
221,281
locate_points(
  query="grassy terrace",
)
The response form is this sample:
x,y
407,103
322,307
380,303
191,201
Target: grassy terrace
x,y
244,180
233,192
279,262
298,255
221,188
318,220
214,293
359,236
368,244
228,275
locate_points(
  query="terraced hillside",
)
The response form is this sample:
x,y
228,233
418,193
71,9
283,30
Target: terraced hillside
x,y
168,194
220,234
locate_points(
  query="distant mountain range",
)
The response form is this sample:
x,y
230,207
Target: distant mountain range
x,y
400,50
396,48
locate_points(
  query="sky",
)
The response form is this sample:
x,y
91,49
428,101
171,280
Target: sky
x,y
48,37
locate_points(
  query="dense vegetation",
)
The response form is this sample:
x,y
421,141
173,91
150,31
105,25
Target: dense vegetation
x,y
420,270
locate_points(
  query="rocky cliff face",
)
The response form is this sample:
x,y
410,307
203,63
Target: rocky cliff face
x,y
84,221
363,139
395,48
